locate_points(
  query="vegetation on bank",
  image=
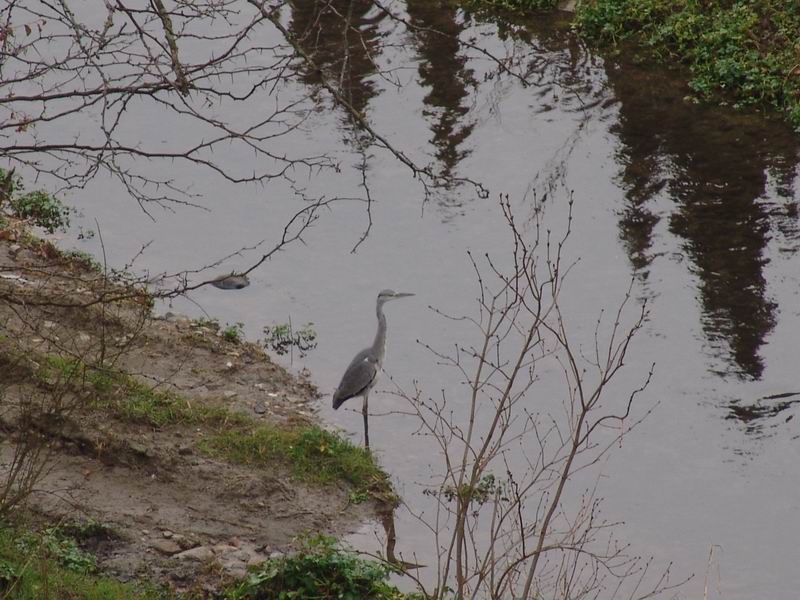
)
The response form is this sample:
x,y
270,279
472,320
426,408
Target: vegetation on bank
x,y
320,570
739,53
310,452
37,206
746,53
52,565
516,6
40,209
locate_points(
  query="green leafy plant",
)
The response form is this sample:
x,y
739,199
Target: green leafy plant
x,y
282,338
739,53
40,207
7,574
8,183
83,258
44,566
320,570
53,544
233,333
485,490
43,209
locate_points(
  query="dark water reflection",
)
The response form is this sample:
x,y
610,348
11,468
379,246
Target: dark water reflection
x,y
443,71
758,416
343,38
715,167
721,181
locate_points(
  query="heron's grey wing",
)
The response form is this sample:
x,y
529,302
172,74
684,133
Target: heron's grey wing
x,y
357,378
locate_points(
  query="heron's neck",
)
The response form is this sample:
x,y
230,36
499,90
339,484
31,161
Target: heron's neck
x,y
379,345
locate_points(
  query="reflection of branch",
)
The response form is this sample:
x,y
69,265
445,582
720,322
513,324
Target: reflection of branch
x,y
337,94
62,69
501,64
424,174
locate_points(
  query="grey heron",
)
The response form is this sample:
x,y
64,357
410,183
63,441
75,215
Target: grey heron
x,y
363,370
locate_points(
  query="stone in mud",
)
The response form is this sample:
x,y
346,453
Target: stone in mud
x,y
199,554
166,546
175,317
234,567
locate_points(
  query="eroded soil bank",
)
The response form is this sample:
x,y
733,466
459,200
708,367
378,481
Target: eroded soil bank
x,y
163,429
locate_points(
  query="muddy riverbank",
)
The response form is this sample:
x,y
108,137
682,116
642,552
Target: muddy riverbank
x,y
197,451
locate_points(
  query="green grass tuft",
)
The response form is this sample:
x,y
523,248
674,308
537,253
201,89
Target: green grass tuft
x,y
132,400
312,454
233,333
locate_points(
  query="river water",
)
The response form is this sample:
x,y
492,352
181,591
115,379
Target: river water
x,y
698,205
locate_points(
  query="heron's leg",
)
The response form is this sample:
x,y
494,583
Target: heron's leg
x,y
365,412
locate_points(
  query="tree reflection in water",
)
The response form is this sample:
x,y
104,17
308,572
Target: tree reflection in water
x,y
442,68
715,167
343,38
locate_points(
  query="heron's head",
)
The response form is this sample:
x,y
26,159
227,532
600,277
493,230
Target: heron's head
x,y
386,295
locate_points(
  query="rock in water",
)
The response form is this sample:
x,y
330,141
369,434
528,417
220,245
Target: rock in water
x,y
231,282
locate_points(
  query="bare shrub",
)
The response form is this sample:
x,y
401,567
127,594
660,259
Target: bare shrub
x,y
51,368
34,402
517,515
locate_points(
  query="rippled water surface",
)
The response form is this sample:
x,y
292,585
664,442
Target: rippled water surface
x,y
698,205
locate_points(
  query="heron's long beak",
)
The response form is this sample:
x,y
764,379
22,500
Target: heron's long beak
x,y
402,294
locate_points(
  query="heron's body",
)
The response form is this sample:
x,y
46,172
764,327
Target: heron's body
x,y
359,378
362,373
